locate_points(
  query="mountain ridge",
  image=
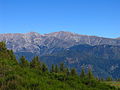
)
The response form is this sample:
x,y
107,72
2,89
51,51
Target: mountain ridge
x,y
32,41
68,47
57,33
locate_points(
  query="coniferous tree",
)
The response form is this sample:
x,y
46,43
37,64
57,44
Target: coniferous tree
x,y
53,68
67,72
44,68
90,74
2,46
35,63
82,74
73,72
101,79
56,69
62,67
24,62
109,79
13,57
8,54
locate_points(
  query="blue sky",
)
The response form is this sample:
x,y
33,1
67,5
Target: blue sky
x,y
89,17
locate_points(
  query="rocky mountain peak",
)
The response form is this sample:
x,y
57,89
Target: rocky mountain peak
x,y
32,33
62,34
33,41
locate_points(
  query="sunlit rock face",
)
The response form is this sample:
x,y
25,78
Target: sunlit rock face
x,y
35,42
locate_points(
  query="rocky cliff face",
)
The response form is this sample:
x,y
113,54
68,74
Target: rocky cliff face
x,y
47,43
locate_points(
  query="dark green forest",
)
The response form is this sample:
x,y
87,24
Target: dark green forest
x,y
35,75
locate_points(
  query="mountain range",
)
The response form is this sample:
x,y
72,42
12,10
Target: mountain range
x,y
75,50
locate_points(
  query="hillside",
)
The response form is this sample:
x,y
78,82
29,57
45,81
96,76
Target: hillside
x,y
34,75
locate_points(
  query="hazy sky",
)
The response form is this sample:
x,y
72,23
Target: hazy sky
x,y
90,17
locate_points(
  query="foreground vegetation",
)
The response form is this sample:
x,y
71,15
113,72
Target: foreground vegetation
x,y
34,75
113,83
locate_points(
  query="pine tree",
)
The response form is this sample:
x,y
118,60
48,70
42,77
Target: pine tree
x,y
109,79
12,56
7,54
44,68
90,74
2,46
24,62
35,63
52,68
67,72
62,67
82,74
73,72
101,79
56,69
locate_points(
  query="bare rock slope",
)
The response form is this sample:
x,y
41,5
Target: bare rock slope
x,y
35,42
